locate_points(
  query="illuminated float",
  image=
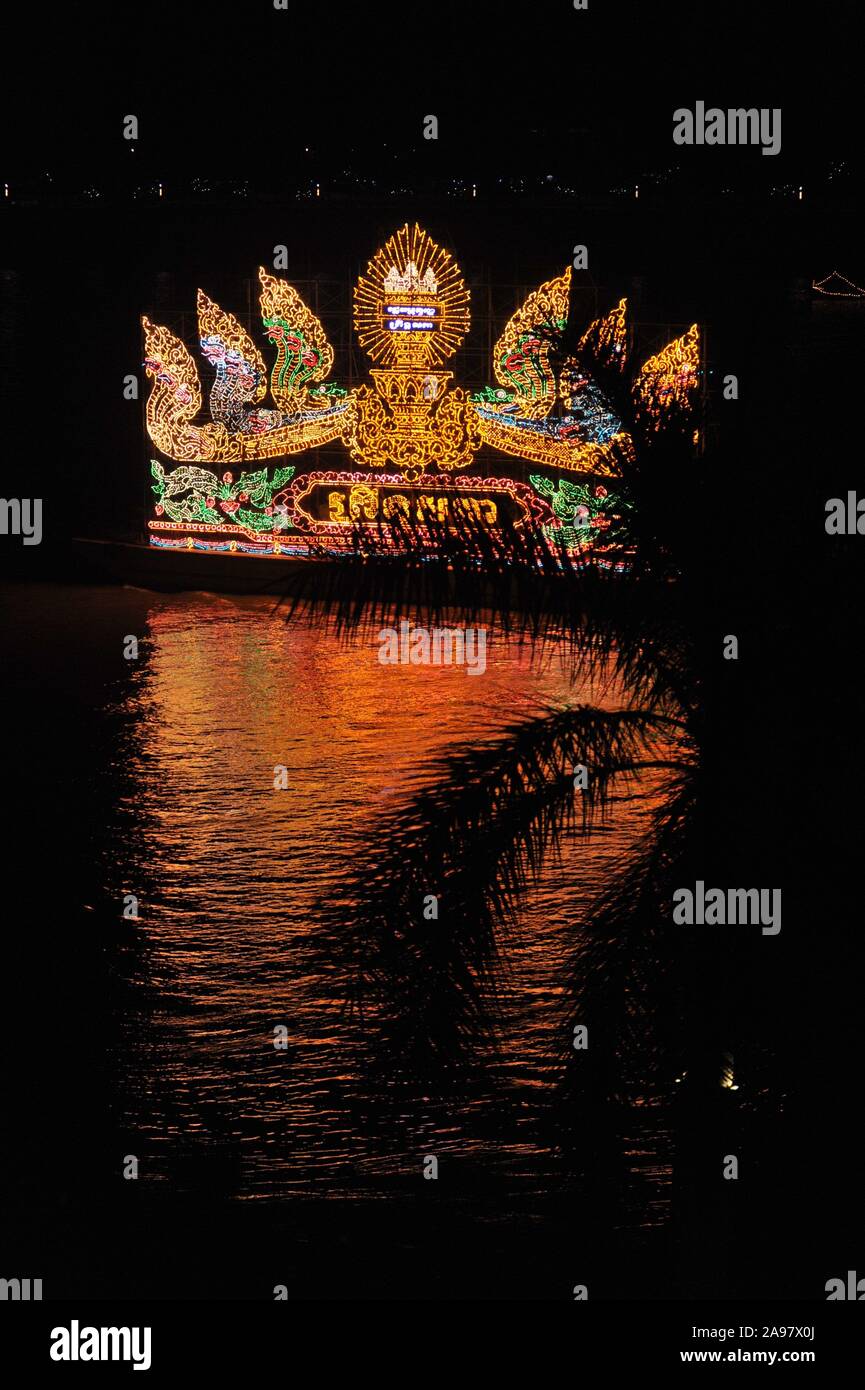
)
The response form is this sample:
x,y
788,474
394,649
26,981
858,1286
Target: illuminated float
x,y
412,439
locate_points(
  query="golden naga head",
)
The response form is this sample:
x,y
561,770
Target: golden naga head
x,y
228,347
171,365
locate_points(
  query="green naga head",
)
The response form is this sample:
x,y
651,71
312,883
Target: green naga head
x,y
527,369
304,356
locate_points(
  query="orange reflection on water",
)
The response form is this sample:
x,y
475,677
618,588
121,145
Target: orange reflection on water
x,y
230,693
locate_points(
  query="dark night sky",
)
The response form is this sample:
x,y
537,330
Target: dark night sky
x,y
245,89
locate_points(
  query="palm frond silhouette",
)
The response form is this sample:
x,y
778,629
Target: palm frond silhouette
x,y
476,837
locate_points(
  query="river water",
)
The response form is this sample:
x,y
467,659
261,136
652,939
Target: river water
x,y
167,792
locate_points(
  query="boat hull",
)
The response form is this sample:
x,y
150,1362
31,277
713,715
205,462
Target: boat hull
x,y
178,571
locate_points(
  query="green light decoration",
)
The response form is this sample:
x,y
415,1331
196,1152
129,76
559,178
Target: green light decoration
x,y
298,361
191,494
329,389
582,510
492,395
526,366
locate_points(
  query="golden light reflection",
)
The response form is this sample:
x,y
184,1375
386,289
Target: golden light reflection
x,y
232,925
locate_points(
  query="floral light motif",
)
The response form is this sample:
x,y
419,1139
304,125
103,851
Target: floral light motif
x,y
582,511
196,495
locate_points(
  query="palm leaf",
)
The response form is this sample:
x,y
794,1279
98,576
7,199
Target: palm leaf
x,y
475,839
